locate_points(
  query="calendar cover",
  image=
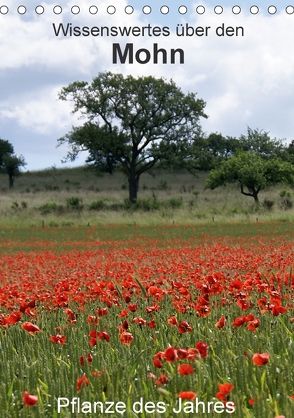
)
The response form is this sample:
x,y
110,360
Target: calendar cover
x,y
146,209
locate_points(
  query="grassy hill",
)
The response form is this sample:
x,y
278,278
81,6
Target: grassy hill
x,y
80,196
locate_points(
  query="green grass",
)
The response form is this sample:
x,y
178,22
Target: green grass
x,y
51,371
204,220
164,197
23,238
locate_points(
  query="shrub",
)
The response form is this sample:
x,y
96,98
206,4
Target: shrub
x,y
143,204
97,205
74,203
285,200
174,202
15,205
51,207
268,204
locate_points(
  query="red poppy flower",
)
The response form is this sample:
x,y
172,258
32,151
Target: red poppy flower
x,y
182,353
126,338
155,291
185,369
170,354
102,311
58,339
162,380
82,381
260,359
28,399
253,325
278,309
157,359
132,307
225,387
30,312
31,328
83,359
202,347
139,321
13,318
238,322
223,391
221,322
103,335
123,313
153,308
188,395
172,320
251,402
70,315
96,373
92,319
184,327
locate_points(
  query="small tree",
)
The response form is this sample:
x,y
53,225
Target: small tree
x,y
252,172
9,162
6,148
131,122
11,166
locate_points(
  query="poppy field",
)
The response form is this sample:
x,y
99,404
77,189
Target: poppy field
x,y
147,327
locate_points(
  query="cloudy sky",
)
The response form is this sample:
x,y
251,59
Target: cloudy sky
x,y
245,81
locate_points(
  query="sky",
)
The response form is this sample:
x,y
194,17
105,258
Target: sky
x,y
245,81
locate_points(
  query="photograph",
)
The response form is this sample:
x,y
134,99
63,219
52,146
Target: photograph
x,y
146,209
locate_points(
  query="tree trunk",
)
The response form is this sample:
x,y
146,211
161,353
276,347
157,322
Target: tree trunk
x,y
133,187
11,181
255,197
252,192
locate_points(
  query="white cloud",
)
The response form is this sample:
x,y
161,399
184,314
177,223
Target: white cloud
x,y
42,113
245,81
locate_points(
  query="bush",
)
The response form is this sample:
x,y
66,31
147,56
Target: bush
x,y
17,206
174,203
268,204
285,200
74,203
142,204
97,205
51,207
14,205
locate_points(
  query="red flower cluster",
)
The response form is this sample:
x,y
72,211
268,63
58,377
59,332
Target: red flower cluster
x,y
130,284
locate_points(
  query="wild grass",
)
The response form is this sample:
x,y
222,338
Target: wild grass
x,y
127,373
79,196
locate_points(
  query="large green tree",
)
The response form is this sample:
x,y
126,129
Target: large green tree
x,y
252,172
133,122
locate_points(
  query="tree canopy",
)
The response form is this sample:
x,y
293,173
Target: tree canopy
x,y
130,121
252,172
207,152
10,163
